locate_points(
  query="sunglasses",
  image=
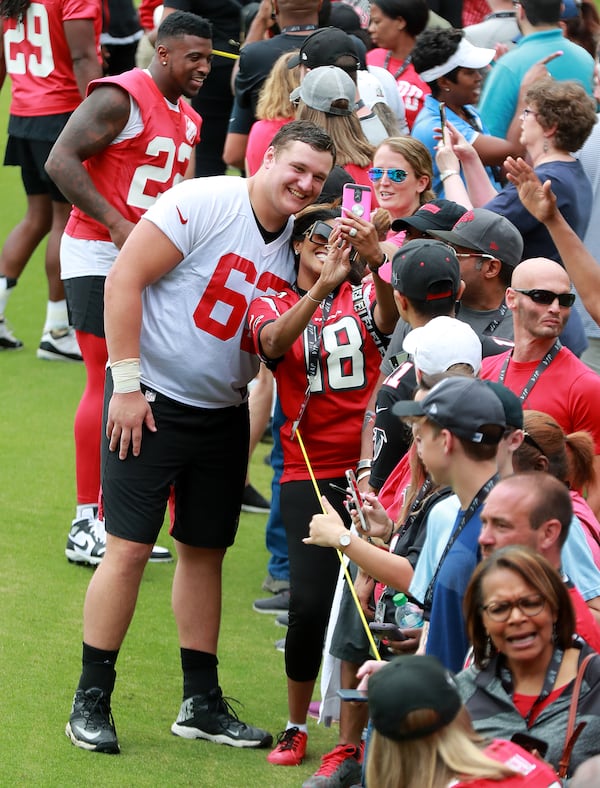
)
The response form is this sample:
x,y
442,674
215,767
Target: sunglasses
x,y
530,606
394,174
547,297
319,233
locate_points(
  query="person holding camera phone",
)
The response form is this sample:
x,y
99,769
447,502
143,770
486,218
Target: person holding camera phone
x,y
322,337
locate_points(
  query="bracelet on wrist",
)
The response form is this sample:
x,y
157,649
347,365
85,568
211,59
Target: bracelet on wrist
x,y
310,298
126,375
362,464
363,475
377,266
392,529
447,173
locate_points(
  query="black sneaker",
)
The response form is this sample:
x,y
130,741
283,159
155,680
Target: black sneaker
x,y
283,619
210,716
254,502
91,725
278,603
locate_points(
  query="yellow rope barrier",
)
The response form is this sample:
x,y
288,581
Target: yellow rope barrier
x,y
230,55
340,554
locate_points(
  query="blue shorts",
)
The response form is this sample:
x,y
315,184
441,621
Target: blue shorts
x,y
200,453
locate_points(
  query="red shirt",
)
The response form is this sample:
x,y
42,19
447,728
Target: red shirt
x,y
411,87
531,772
38,57
131,174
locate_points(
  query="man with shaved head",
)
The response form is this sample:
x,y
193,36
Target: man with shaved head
x,y
542,373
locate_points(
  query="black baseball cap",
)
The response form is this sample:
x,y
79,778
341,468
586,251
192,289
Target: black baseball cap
x,y
488,232
323,48
434,215
467,407
407,684
426,270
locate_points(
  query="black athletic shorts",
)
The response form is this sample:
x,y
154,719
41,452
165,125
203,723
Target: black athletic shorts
x,y
30,156
200,452
85,303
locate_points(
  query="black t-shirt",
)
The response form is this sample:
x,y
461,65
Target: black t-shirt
x,y
223,14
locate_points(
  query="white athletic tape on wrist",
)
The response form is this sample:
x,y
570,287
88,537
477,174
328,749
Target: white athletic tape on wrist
x,y
126,375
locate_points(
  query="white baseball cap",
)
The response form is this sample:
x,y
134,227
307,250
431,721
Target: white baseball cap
x,y
441,343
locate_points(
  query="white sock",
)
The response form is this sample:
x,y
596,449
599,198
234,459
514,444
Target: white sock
x,y
4,295
301,726
86,511
56,315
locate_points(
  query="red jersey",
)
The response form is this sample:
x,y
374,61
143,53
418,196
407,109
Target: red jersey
x,y
347,370
531,772
411,88
567,390
133,173
38,57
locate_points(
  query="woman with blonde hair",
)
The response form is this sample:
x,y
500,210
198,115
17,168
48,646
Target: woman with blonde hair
x,y
423,738
569,458
273,110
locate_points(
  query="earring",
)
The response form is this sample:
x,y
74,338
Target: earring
x,y
447,90
164,62
546,147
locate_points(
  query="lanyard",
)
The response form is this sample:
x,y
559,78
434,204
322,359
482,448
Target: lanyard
x,y
313,341
544,363
500,313
506,680
458,529
402,68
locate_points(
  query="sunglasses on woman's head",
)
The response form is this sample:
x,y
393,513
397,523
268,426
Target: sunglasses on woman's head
x,y
395,174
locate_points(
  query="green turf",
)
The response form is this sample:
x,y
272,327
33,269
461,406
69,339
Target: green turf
x,y
41,598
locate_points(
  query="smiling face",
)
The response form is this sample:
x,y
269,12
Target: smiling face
x,y
400,199
465,90
296,175
188,64
312,254
521,638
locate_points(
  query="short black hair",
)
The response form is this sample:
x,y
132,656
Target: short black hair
x,y
304,131
414,12
433,48
542,12
183,23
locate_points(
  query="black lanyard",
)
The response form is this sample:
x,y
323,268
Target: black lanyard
x,y
500,313
544,364
313,334
402,68
506,680
458,529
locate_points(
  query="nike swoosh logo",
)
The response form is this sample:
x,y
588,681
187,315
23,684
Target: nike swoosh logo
x,y
181,219
378,409
86,734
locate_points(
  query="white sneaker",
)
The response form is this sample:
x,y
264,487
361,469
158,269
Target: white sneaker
x,y
86,542
8,340
59,345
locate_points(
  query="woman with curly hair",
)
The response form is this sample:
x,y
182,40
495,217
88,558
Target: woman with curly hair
x,y
452,68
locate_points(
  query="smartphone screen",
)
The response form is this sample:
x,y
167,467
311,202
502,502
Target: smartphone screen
x,y
443,117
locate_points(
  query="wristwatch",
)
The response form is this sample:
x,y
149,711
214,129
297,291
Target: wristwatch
x,y
345,540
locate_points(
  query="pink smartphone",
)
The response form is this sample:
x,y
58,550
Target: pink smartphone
x,y
356,200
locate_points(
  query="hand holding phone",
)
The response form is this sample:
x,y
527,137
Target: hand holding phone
x,y
356,496
386,631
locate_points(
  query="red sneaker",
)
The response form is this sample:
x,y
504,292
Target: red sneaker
x,y
339,768
290,749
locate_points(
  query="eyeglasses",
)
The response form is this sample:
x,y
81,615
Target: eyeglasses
x,y
547,297
527,112
529,605
394,174
319,233
482,255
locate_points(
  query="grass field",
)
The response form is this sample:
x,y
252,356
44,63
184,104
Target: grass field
x,y
41,598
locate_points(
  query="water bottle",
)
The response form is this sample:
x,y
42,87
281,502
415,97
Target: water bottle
x,y
407,615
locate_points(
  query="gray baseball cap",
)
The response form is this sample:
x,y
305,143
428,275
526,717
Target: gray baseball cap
x,y
487,232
